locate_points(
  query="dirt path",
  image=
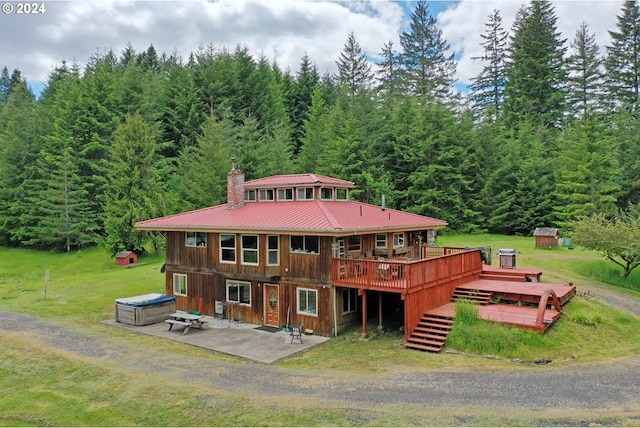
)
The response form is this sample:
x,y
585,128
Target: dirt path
x,y
576,390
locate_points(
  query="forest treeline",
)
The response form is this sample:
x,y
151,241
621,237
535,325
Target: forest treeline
x,y
547,132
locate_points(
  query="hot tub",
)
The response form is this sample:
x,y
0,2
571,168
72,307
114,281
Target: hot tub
x,y
145,309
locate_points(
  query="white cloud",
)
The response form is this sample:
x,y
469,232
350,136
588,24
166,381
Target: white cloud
x,y
280,29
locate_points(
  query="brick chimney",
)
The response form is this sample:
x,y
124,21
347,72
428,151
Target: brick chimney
x,y
235,187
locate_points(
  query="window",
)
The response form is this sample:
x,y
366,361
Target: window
x,y
381,240
273,250
179,284
250,249
305,244
326,193
305,193
266,195
227,248
398,240
196,239
239,292
307,301
285,194
349,300
353,243
249,195
341,194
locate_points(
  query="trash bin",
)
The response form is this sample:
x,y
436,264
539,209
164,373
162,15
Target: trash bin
x,y
507,257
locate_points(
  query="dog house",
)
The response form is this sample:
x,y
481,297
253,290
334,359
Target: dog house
x,y
126,258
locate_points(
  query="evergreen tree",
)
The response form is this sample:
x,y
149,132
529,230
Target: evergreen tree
x,y
5,85
535,71
586,81
200,180
487,88
315,134
20,144
354,70
588,173
428,69
623,59
135,191
299,99
388,75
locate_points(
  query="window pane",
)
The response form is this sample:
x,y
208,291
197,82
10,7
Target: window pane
x,y
312,302
326,193
250,242
228,247
341,194
245,294
233,293
297,243
312,244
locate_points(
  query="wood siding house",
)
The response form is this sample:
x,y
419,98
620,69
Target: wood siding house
x,y
293,248
546,237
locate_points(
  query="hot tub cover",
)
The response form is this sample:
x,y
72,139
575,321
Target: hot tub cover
x,y
146,300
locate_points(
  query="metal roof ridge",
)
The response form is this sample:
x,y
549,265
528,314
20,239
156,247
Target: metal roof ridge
x,y
328,214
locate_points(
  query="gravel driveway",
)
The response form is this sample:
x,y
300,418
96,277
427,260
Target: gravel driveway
x,y
585,387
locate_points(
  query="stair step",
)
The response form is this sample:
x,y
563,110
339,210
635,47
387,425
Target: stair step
x,y
423,347
437,320
431,330
500,277
428,335
421,341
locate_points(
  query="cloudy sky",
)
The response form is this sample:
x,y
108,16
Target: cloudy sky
x,y
281,29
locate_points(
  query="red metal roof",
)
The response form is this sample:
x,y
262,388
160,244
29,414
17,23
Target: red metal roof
x,y
296,180
317,216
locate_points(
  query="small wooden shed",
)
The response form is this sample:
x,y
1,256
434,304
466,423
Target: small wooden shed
x,y
546,237
126,258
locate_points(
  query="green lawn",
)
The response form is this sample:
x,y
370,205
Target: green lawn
x,y
66,390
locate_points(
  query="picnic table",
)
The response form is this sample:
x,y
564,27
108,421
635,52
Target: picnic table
x,y
186,320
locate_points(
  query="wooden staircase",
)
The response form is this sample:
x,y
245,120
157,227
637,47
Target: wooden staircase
x,y
430,334
480,297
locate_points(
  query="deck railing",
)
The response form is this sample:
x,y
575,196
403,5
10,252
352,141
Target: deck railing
x,y
403,275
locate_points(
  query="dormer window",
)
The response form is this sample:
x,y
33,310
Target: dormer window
x,y
326,193
285,194
249,195
305,193
267,195
342,194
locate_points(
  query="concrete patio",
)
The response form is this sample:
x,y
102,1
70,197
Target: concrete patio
x,y
238,339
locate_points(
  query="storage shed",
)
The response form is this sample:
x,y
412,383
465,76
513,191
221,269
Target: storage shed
x,y
546,237
126,258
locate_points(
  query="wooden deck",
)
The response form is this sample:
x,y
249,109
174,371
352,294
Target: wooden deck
x,y
525,292
513,274
518,316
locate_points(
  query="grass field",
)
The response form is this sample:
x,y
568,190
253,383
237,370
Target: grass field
x,y
82,287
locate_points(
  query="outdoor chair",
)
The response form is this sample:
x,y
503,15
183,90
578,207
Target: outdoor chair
x,y
296,333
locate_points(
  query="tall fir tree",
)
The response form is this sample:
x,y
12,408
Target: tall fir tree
x,y
428,68
135,190
623,59
535,72
354,70
487,88
299,99
388,76
585,81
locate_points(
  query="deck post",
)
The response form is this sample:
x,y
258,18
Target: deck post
x,y
380,327
363,293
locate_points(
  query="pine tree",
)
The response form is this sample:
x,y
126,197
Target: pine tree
x,y
388,75
20,145
427,68
623,59
299,99
535,71
315,134
354,70
487,88
586,81
135,191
